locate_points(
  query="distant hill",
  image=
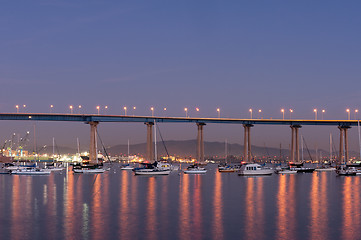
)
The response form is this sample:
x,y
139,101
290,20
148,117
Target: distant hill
x,y
211,149
188,148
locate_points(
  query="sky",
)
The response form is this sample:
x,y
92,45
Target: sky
x,y
232,55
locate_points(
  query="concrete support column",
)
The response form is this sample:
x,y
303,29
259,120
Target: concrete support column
x,y
341,145
245,149
247,142
346,143
295,146
150,155
292,144
93,142
200,142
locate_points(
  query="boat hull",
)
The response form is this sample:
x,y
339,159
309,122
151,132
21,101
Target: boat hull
x,y
127,168
195,171
227,170
286,172
166,172
27,172
255,173
88,170
303,170
325,169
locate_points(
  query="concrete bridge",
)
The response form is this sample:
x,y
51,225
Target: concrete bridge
x,y
93,120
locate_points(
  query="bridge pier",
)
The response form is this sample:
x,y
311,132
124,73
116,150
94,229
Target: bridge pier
x,y
150,155
247,153
200,142
343,154
93,156
295,148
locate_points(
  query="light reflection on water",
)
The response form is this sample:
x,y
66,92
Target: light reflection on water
x,y
218,207
119,205
286,207
351,208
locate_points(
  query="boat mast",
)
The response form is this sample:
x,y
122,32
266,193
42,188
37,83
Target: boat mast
x,y
225,151
330,147
53,149
302,148
96,146
128,150
78,146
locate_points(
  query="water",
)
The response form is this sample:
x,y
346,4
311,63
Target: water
x,y
119,205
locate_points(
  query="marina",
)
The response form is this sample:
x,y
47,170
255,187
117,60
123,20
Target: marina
x,y
152,120
209,206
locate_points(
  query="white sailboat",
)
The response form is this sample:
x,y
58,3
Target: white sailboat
x,y
226,167
53,167
31,171
156,168
327,167
91,168
127,166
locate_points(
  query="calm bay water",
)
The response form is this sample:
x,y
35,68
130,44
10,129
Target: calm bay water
x,y
119,205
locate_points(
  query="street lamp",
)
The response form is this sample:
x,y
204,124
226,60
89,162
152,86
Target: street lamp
x,y
134,110
259,113
219,112
186,110
315,110
98,108
79,107
356,111
24,106
152,109
51,108
348,113
250,110
71,109
291,111
323,111
17,108
125,111
283,114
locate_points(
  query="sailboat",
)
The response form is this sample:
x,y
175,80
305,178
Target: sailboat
x,y
127,166
326,167
287,170
298,166
86,166
52,167
226,167
156,168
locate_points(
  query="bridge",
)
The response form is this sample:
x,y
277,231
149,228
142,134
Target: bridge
x,y
93,120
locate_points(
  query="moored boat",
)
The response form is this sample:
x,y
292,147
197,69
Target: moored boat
x,y
30,171
89,170
228,168
156,168
298,166
195,169
285,171
347,171
254,169
126,167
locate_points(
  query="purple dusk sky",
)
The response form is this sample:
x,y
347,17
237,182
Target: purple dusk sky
x,y
232,55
